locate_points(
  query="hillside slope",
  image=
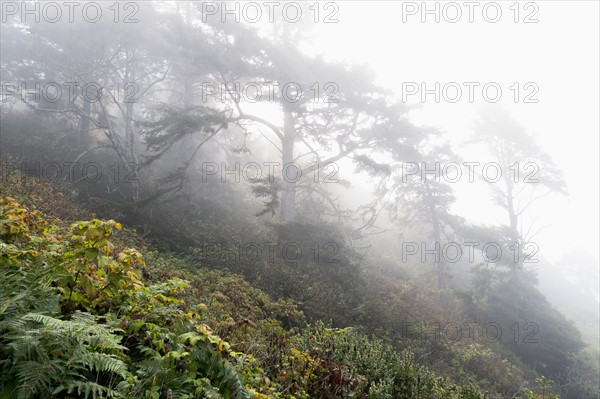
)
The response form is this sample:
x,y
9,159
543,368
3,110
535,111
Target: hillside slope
x,y
84,313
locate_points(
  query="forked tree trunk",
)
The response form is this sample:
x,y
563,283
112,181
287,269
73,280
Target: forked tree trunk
x,y
288,196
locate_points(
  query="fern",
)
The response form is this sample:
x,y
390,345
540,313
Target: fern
x,y
87,388
49,355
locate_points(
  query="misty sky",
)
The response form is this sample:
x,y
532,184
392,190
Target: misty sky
x,y
559,53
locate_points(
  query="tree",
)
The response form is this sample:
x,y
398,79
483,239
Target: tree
x,y
326,111
526,173
504,289
107,74
417,198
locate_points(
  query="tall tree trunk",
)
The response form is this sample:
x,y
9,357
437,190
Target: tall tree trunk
x,y
435,222
515,235
130,139
515,264
288,196
84,125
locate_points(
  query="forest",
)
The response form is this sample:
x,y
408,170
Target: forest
x,y
198,201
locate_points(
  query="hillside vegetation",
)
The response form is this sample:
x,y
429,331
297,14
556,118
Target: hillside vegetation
x,y
85,314
202,208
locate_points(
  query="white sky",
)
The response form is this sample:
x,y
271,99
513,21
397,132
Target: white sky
x,y
560,54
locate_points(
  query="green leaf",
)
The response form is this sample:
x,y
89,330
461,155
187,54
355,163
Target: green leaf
x,y
91,253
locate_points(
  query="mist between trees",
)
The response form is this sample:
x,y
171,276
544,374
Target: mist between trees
x,y
297,228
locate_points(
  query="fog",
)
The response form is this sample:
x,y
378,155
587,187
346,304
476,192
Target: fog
x,y
396,140
553,58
